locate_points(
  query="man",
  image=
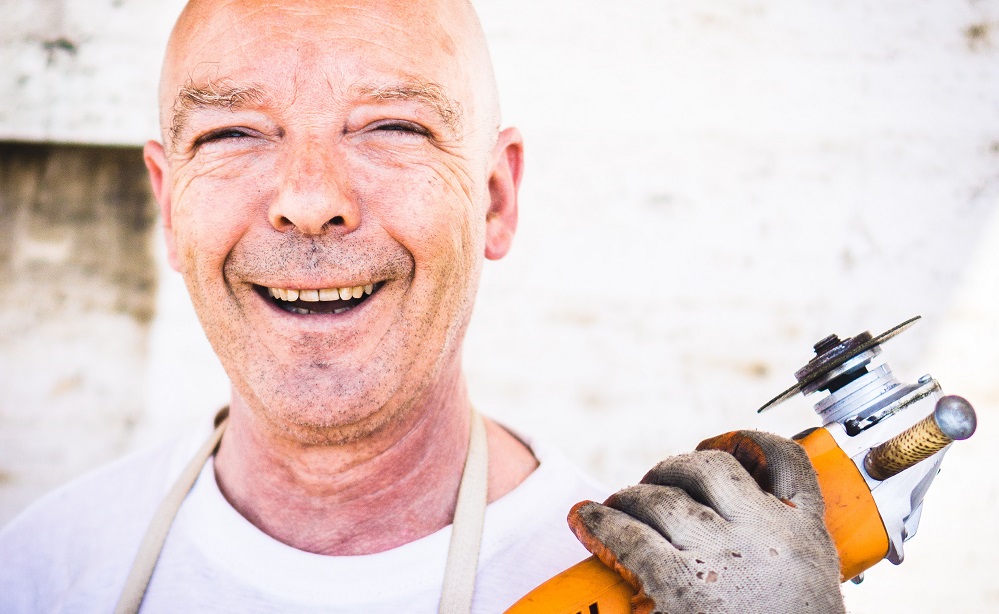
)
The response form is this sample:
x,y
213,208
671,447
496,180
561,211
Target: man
x,y
330,178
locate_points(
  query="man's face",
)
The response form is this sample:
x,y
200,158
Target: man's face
x,y
330,180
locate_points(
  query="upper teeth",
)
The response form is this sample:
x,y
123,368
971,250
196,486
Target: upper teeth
x,y
325,294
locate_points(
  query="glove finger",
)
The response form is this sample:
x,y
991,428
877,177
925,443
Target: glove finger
x,y
714,479
685,523
639,554
780,466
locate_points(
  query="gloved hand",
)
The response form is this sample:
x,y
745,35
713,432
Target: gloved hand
x,y
704,533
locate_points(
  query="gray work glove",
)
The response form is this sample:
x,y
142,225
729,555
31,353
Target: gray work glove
x,y
705,532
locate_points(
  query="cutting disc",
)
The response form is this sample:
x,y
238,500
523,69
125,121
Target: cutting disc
x,y
834,357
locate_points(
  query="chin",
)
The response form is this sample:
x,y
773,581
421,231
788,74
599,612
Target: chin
x,y
326,416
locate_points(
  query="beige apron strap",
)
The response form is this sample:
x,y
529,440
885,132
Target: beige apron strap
x,y
156,534
466,531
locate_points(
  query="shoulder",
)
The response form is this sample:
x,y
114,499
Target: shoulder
x,y
86,532
555,481
527,539
541,502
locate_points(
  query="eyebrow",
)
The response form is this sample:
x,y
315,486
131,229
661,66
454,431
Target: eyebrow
x,y
225,95
424,92
229,96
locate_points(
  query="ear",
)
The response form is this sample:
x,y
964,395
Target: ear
x,y
504,182
159,177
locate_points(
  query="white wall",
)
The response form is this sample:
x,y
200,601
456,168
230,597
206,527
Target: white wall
x,y
83,71
710,189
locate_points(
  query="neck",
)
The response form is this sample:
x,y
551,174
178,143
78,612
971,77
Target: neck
x,y
384,490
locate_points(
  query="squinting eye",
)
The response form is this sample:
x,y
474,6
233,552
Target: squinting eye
x,y
402,127
220,135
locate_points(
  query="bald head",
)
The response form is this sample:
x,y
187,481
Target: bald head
x,y
227,54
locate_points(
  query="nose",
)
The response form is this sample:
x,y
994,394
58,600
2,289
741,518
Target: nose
x,y
314,195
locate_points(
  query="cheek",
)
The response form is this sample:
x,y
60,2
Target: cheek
x,y
431,208
213,210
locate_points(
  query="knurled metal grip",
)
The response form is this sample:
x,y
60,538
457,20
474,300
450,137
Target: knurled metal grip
x,y
952,419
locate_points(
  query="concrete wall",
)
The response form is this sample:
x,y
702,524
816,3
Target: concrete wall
x,y
78,287
710,189
83,71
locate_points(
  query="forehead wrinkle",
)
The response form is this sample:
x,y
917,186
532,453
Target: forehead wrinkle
x,y
424,92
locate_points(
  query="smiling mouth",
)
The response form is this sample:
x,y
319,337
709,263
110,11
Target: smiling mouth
x,y
326,300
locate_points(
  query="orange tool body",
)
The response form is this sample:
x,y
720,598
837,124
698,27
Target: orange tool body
x,y
875,455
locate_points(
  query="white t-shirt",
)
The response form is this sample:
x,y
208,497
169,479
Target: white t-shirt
x,y
71,551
